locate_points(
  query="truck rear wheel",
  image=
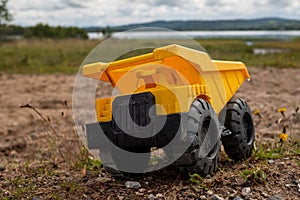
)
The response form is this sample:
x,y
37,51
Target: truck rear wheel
x,y
240,142
203,124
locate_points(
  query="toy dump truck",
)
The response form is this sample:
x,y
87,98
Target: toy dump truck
x,y
176,99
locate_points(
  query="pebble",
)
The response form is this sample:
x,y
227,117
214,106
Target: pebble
x,y
271,161
151,196
142,190
216,197
265,195
276,197
246,191
209,192
237,198
139,194
232,195
298,185
281,165
2,168
132,184
121,197
159,195
203,197
103,180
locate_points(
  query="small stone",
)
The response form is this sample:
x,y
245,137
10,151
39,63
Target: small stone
x,y
121,197
246,191
151,196
159,195
276,197
139,194
203,197
2,168
287,185
132,184
271,161
142,190
85,179
265,195
103,180
237,198
232,195
216,197
209,192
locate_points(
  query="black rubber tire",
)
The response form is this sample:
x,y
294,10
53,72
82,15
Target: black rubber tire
x,y
238,119
203,123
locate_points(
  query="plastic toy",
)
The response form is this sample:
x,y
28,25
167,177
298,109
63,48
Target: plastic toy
x,y
181,87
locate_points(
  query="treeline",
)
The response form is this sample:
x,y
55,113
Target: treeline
x,y
209,25
43,31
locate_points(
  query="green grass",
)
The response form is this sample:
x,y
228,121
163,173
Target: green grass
x,y
254,175
231,49
44,56
65,56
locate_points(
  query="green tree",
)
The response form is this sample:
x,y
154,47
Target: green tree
x,y
5,16
107,32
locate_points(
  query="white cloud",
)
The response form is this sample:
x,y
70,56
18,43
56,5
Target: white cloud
x,y
117,12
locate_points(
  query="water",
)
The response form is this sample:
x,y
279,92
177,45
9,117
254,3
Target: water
x,y
201,34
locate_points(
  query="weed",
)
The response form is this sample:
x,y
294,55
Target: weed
x,y
86,162
198,181
70,187
66,151
254,175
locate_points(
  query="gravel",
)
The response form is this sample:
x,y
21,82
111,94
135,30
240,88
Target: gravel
x,y
246,191
133,184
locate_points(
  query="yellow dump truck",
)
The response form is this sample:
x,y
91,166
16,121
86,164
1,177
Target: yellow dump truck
x,y
171,98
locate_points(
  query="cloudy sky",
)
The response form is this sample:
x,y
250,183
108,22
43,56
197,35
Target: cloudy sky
x,y
119,12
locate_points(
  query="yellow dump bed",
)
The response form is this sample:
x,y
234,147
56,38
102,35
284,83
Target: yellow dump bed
x,y
170,70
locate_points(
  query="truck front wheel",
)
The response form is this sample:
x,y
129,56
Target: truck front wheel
x,y
203,124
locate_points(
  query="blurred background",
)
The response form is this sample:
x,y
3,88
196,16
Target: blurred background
x,y
42,37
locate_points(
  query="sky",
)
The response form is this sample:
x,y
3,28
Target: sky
x,y
85,13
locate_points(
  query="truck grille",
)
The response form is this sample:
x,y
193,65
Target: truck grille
x,y
132,112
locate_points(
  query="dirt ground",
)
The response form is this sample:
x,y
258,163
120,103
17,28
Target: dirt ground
x,y
32,167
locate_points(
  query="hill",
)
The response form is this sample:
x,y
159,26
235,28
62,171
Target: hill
x,y
189,25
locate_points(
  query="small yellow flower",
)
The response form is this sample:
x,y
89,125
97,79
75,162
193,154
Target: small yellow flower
x,y
257,112
283,136
282,110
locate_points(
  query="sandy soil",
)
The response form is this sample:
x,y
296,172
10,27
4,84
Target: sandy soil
x,y
26,139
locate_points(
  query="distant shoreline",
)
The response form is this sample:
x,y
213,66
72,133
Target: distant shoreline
x,y
245,34
210,25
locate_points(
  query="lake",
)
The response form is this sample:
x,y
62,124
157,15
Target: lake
x,y
200,34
